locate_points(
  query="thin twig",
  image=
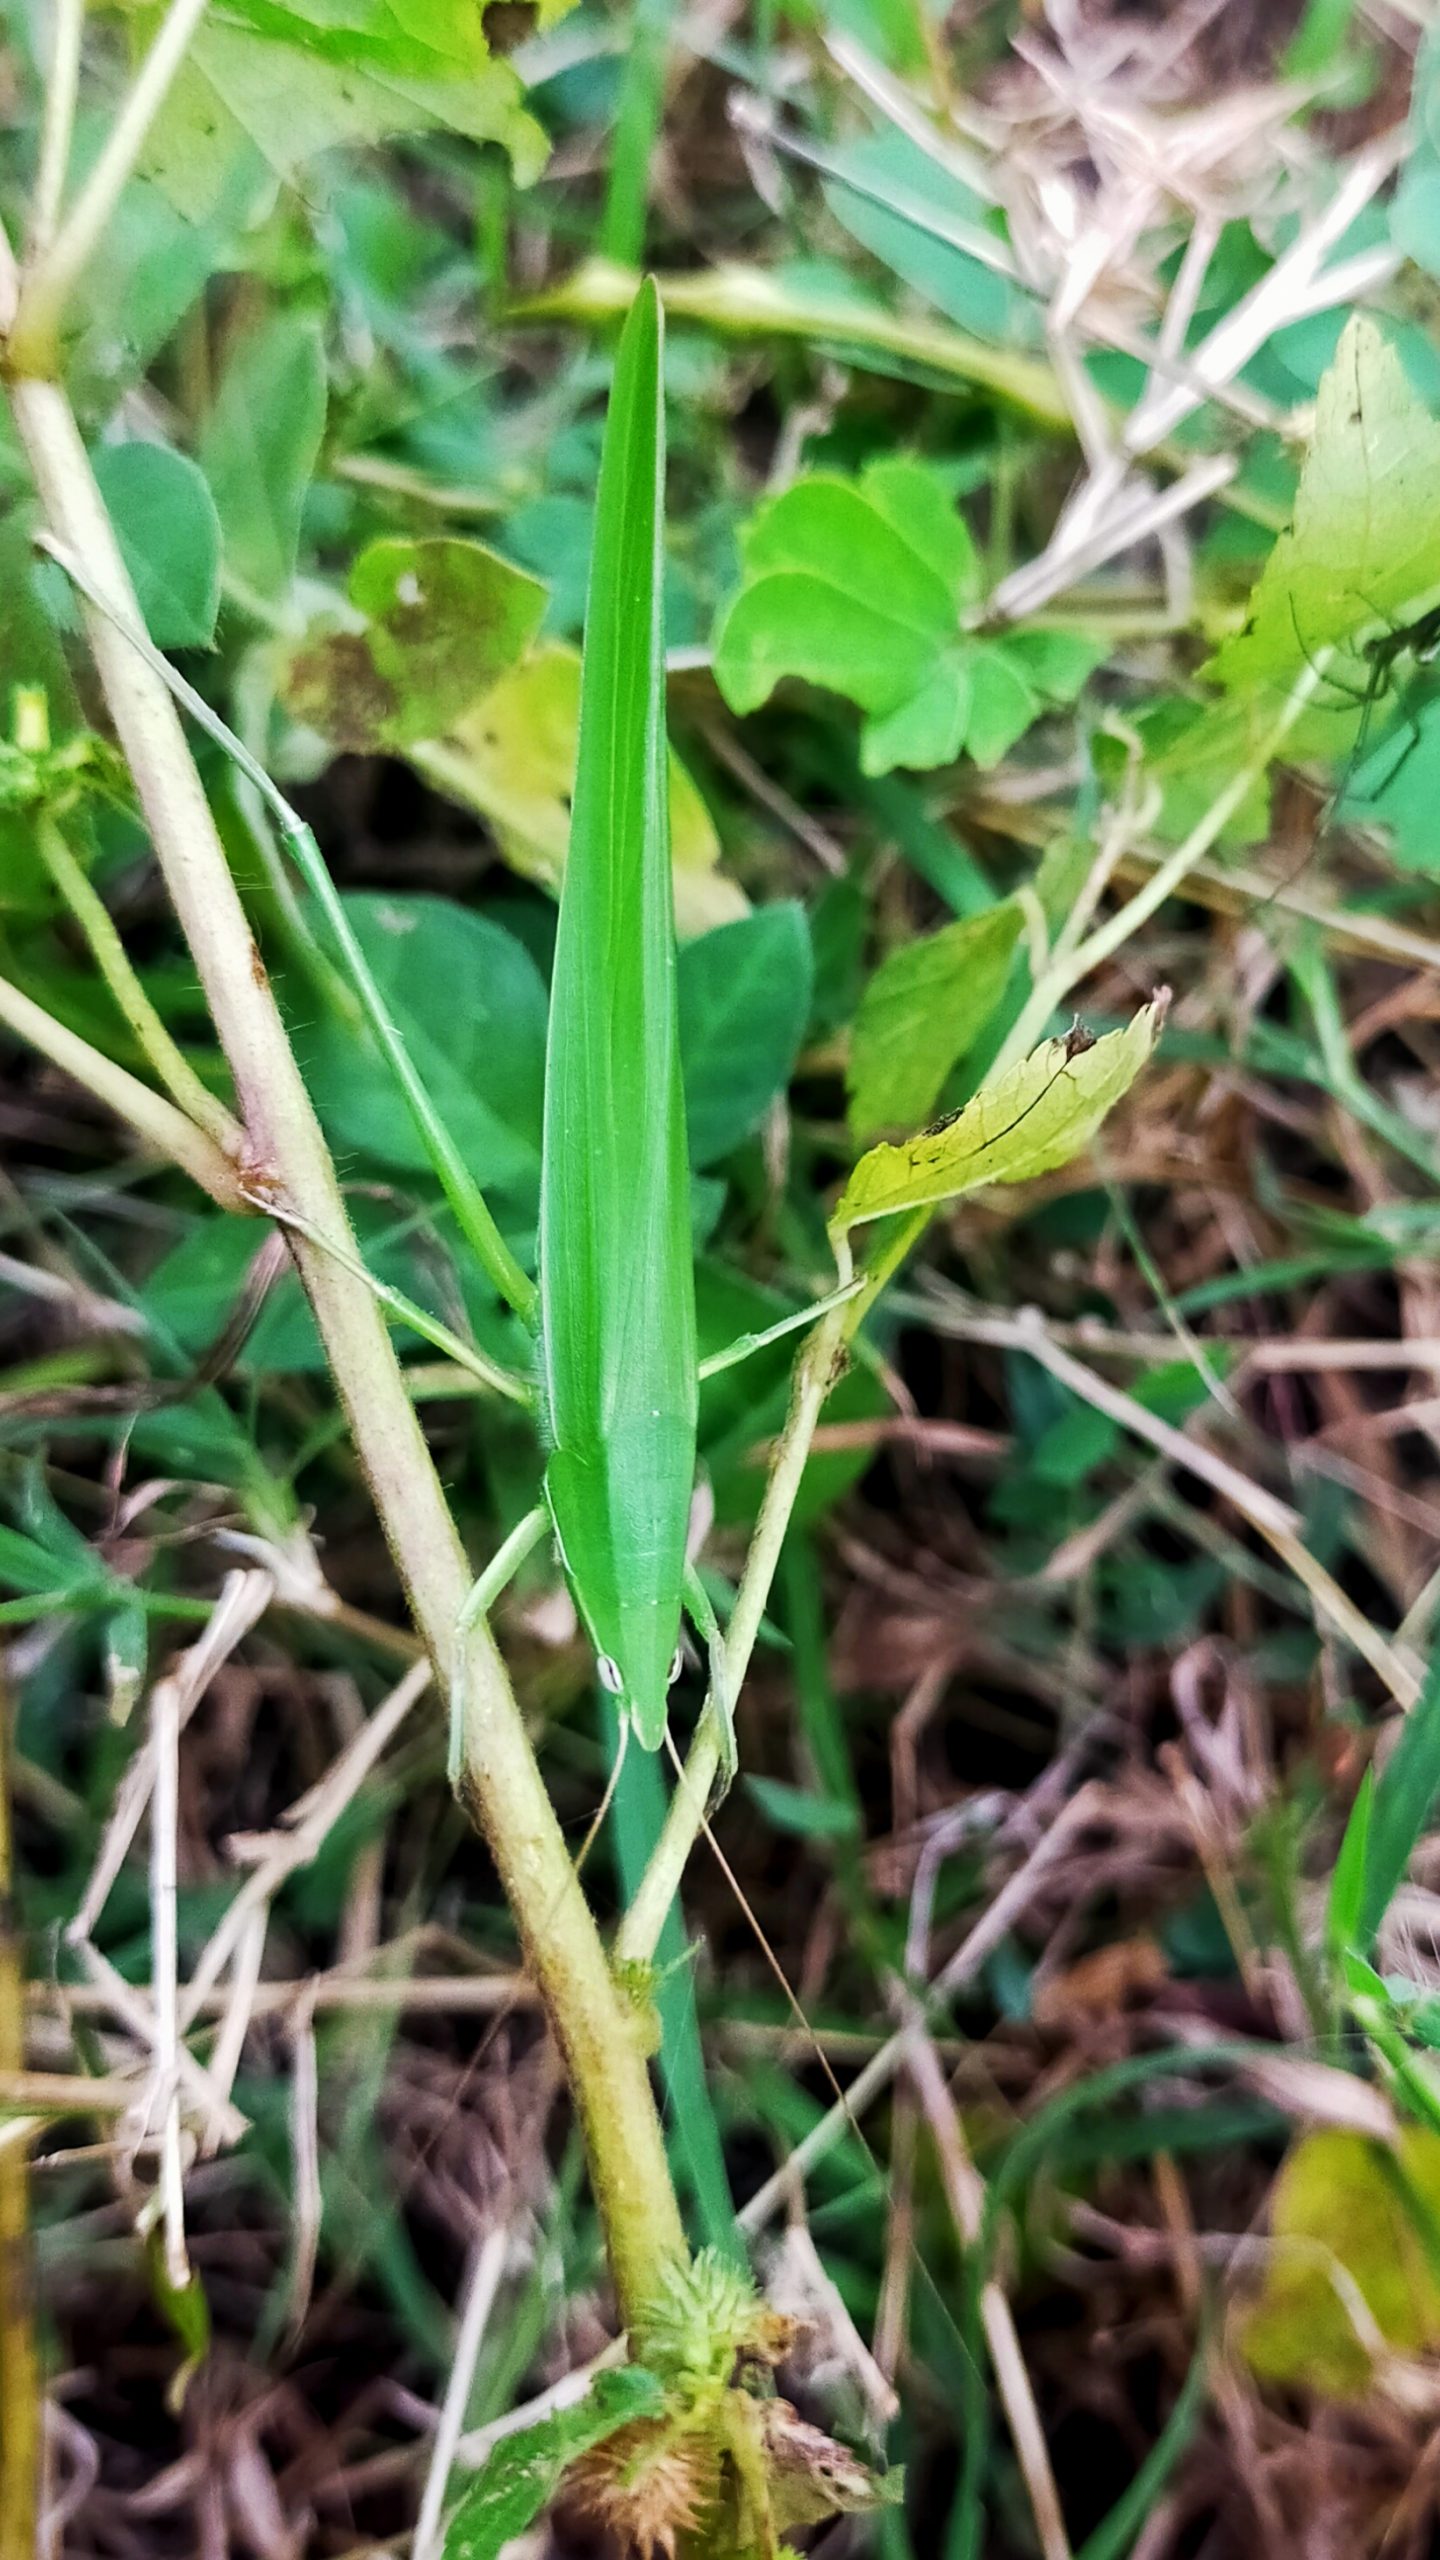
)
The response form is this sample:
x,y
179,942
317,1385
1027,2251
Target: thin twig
x,y
49,283
965,2195
113,962
62,85
1275,1521
164,1940
153,1118
482,2283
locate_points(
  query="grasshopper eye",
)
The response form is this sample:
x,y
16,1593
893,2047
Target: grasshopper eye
x,y
611,1676
677,1665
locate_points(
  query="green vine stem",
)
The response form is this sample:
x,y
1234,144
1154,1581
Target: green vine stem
x,y
113,962
288,1161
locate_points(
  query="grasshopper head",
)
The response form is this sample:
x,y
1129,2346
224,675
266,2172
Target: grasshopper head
x,y
624,1558
639,1667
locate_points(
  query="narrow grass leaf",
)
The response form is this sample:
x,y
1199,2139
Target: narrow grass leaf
x,y
616,1261
1344,1911
1404,1793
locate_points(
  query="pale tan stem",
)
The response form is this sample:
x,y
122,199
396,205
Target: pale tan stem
x,y
62,85
149,1114
49,283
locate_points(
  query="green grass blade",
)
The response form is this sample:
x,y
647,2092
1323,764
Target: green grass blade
x,y
692,2135
1345,1908
616,1269
1404,1793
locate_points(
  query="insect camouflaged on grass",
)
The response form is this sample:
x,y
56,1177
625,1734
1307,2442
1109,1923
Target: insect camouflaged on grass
x,y
613,1315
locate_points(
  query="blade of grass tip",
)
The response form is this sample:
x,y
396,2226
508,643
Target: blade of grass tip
x,y
1405,1790
467,1202
616,1256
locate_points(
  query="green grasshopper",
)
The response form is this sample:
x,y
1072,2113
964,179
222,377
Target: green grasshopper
x,y
613,1317
616,1316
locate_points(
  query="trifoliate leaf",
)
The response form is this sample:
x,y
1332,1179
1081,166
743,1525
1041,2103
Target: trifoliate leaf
x,y
862,587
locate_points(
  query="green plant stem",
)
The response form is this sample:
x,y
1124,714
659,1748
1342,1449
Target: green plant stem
x,y
1054,983
748,302
815,1372
152,1117
113,962
58,124
637,126
563,1950
50,281
466,1199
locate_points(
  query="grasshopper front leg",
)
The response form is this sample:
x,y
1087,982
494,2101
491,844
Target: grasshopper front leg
x,y
479,1600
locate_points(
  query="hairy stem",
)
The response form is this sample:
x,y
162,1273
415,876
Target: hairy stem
x,y
113,962
289,1158
149,1114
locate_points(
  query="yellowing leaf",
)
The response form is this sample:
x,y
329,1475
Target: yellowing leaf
x,y
1041,1114
1364,547
512,758
1353,2268
443,619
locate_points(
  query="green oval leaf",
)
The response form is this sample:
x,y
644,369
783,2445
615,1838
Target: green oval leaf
x,y
925,1006
260,444
470,1005
169,531
744,1004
